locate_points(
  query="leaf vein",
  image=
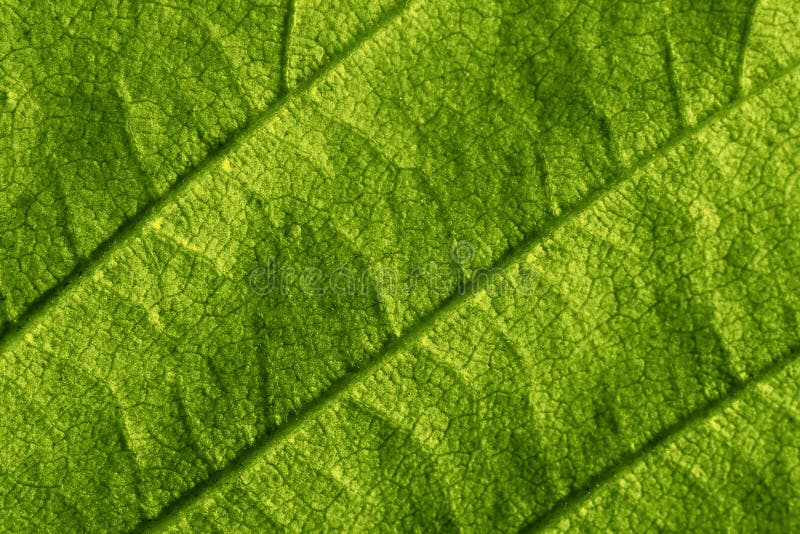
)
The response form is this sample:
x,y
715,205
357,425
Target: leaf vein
x,y
288,24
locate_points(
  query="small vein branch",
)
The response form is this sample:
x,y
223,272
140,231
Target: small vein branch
x,y
288,24
747,30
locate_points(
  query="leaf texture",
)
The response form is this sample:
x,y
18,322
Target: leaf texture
x,y
107,108
640,159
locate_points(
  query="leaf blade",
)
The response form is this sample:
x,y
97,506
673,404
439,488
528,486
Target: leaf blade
x,y
189,269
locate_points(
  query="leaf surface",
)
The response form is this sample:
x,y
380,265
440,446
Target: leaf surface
x,y
649,184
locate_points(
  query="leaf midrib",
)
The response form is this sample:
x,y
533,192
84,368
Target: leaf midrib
x,y
249,455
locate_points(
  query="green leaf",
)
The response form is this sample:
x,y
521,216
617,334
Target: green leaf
x,y
410,265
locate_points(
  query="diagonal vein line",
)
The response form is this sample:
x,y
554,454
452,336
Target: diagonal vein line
x,y
662,438
131,226
339,387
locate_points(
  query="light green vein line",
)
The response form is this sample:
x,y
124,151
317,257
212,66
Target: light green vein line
x,y
338,389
